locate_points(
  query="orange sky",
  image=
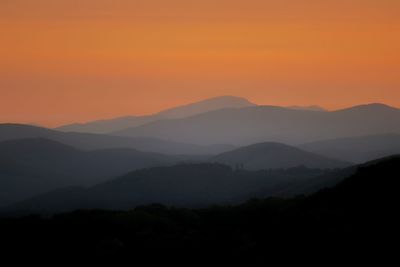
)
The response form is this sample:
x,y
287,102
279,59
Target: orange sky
x,y
63,61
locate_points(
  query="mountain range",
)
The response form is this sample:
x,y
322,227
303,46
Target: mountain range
x,y
220,124
220,141
112,125
356,134
249,125
180,112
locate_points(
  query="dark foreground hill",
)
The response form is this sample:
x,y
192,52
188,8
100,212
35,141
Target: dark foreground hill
x,y
353,220
274,156
184,185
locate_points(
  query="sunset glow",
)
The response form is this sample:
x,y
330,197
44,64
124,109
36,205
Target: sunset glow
x,y
64,61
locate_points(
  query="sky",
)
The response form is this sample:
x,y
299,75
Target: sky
x,y
64,61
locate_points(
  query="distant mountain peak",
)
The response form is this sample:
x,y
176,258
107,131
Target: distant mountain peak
x,y
179,112
206,105
229,99
370,106
375,105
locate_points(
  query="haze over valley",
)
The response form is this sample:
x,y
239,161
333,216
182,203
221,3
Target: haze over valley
x,y
230,137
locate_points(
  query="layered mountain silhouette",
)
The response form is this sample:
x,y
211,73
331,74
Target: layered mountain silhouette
x,y
273,156
33,166
37,165
112,125
244,126
88,141
233,150
229,179
199,185
357,149
184,185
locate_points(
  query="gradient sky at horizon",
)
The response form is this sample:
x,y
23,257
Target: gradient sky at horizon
x,y
64,61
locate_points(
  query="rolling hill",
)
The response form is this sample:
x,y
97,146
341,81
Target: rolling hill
x,y
88,141
357,149
275,156
33,166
